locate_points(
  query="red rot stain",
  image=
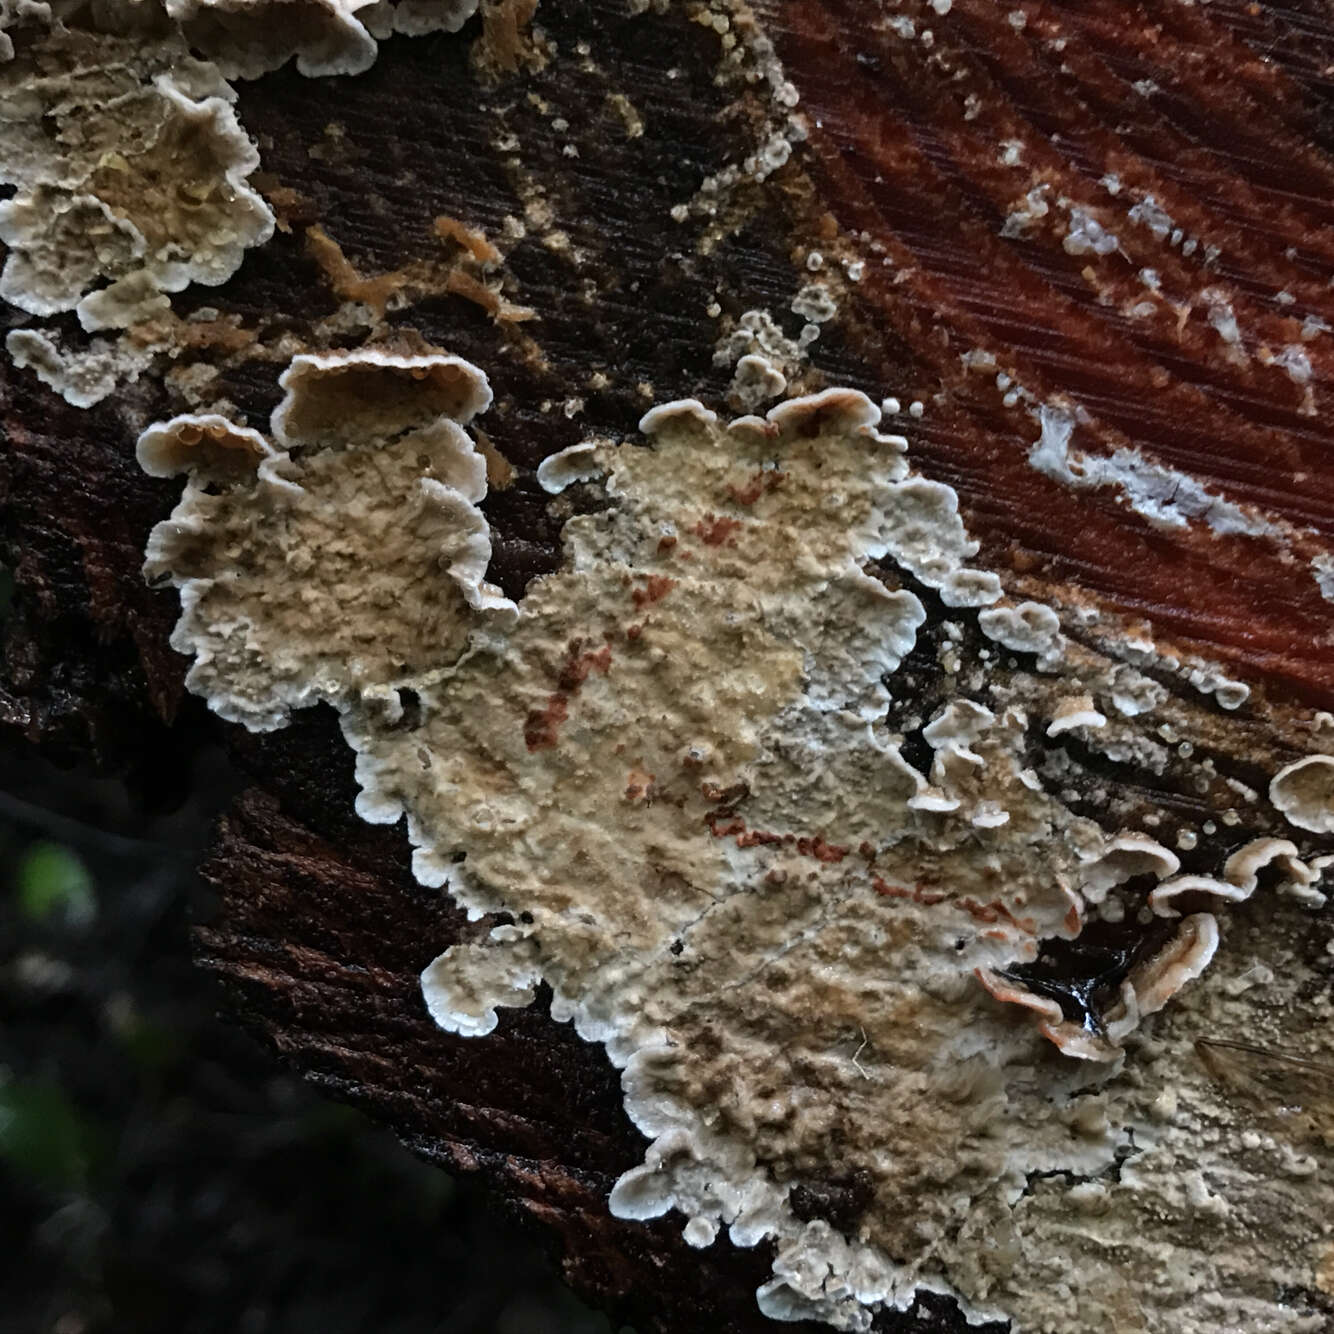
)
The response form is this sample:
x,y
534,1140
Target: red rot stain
x,y
542,725
829,853
983,912
578,666
918,893
655,589
713,530
728,796
725,823
995,911
756,838
720,830
884,888
756,487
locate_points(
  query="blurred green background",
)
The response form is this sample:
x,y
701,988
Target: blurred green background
x,y
158,1170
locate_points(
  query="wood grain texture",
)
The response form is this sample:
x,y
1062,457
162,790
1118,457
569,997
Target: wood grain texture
x,y
321,931
1219,114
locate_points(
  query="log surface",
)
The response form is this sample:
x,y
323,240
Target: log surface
x,y
1221,113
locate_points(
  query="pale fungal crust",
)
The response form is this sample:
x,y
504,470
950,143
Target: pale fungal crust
x,y
1074,712
1153,982
344,558
247,38
755,381
118,131
1028,627
1162,899
578,463
1304,792
1124,857
671,764
464,987
416,18
82,376
130,168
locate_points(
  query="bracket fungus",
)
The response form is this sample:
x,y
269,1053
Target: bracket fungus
x,y
130,168
1304,792
343,559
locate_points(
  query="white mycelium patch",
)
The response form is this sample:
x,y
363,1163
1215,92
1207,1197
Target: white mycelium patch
x,y
670,765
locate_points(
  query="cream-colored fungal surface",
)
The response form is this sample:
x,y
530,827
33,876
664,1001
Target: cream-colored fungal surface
x,y
130,172
130,168
809,928
1304,792
361,574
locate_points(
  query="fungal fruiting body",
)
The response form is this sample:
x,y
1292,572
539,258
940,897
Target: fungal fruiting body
x,y
816,935
130,167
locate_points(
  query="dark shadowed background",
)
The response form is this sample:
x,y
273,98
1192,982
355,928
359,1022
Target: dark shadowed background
x,y
158,1170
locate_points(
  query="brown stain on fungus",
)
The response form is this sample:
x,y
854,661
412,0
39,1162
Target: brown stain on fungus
x,y
542,726
752,490
655,588
715,530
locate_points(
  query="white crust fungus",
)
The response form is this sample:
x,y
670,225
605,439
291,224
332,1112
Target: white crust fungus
x,y
1162,897
1027,628
130,168
1181,960
81,376
755,381
671,761
1304,792
129,163
344,558
1125,856
1074,712
465,985
247,38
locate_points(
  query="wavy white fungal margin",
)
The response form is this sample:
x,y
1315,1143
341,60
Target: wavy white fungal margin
x,y
671,763
82,376
578,463
466,984
130,168
294,552
1304,792
130,172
